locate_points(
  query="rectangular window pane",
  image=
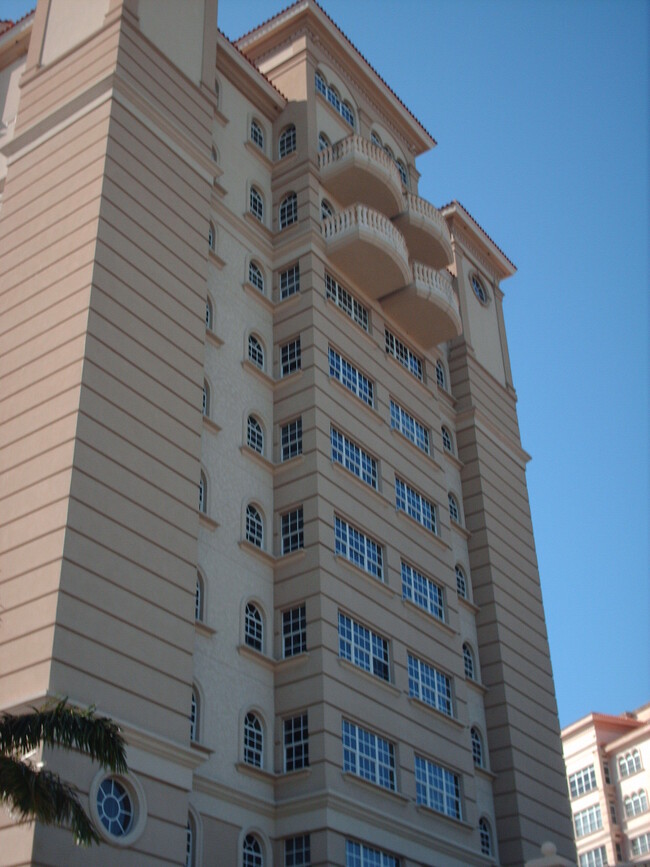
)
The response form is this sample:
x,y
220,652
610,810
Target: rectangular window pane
x,y
437,788
296,743
368,756
290,281
596,857
587,821
430,685
294,631
358,548
351,378
403,354
346,302
292,531
408,500
290,357
297,851
291,439
409,427
353,458
582,781
363,647
422,591
358,855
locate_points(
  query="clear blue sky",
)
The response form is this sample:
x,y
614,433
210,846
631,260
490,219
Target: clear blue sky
x,y
540,110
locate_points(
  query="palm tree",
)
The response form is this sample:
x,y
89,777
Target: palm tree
x,y
31,791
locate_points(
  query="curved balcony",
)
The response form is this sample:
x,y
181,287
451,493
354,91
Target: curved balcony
x,y
425,231
356,170
365,246
427,309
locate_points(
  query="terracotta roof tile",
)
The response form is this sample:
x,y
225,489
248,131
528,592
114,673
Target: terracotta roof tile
x,y
351,44
7,25
478,226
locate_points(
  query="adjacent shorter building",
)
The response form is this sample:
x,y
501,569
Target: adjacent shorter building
x,y
607,759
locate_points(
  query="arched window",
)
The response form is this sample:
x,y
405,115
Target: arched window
x,y
461,583
254,526
214,154
203,493
326,209
257,134
636,803
401,168
333,97
454,511
389,151
190,840
255,352
374,138
255,435
323,142
211,237
209,314
485,835
206,398
287,142
253,741
477,747
198,599
347,112
630,763
253,628
255,277
252,852
256,204
447,441
194,717
468,662
441,375
288,210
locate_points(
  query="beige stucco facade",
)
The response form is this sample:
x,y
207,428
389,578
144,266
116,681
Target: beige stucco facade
x,y
350,611
607,760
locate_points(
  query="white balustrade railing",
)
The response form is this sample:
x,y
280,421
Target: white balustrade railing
x,y
426,209
438,282
363,217
357,145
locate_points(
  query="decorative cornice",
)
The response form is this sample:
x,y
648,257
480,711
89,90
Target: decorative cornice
x,y
461,237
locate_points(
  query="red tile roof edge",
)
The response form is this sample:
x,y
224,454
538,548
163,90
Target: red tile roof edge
x,y
249,61
8,24
478,226
351,44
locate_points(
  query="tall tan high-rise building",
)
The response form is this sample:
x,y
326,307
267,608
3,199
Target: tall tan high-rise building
x,y
264,498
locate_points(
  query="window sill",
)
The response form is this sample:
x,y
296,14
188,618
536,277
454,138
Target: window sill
x,y
458,528
259,154
421,383
291,661
290,557
211,425
267,234
221,117
295,461
365,487
427,455
289,776
429,811
252,771
218,261
252,368
203,629
429,533
437,713
447,396
211,337
451,457
476,685
428,616
289,301
295,375
258,296
469,605
358,328
374,787
484,772
256,656
376,582
368,675
208,523
257,552
218,190
198,747
257,457
357,400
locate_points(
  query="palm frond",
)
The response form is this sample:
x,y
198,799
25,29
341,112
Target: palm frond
x,y
39,794
68,727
